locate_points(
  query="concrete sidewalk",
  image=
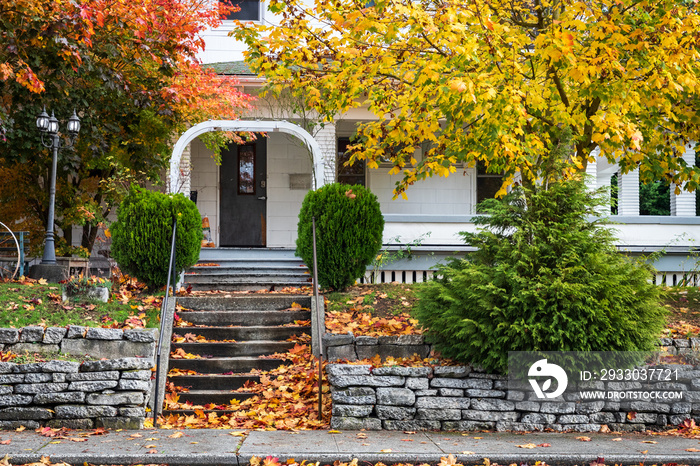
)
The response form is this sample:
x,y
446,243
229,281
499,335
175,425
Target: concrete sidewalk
x,y
219,447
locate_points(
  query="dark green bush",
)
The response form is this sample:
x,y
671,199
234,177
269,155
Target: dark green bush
x,y
349,227
544,278
141,236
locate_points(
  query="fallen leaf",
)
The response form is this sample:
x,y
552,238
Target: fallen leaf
x,y
649,441
361,435
407,440
527,445
237,434
55,441
584,439
6,442
478,438
20,429
604,429
334,432
645,452
386,450
617,439
544,445
151,446
152,451
687,449
77,439
176,435
468,453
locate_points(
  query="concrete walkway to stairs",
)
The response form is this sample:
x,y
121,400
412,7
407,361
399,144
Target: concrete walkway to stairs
x,y
219,447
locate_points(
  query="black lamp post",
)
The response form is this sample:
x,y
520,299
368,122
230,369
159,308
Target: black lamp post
x,y
49,128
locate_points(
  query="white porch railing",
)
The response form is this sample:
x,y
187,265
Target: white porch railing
x,y
420,276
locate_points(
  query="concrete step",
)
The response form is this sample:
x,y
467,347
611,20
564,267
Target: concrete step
x,y
262,270
285,264
255,318
217,254
259,279
244,333
244,348
218,397
245,286
244,302
212,381
190,412
231,366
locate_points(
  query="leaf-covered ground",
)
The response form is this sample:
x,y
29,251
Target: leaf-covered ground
x,y
34,302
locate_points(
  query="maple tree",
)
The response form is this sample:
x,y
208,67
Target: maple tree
x,y
502,83
131,72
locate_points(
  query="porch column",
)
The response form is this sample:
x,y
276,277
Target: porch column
x,y
329,148
683,204
592,171
183,183
628,193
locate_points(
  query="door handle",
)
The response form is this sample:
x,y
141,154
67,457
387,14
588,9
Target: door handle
x,y
262,198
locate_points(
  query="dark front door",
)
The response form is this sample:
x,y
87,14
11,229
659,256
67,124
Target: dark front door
x,y
243,194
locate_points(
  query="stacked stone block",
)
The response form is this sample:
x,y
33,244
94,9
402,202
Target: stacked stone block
x,y
108,393
464,398
352,348
78,340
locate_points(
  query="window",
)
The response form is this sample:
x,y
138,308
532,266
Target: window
x,y
351,174
250,10
487,184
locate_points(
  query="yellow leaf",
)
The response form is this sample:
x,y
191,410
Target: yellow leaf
x,y
176,435
334,432
527,445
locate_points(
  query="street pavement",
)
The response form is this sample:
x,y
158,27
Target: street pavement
x,y
219,447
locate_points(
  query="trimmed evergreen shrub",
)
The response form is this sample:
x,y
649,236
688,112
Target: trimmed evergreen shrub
x,y
349,227
141,236
544,278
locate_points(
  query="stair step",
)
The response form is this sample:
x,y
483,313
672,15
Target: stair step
x,y
212,381
254,318
243,302
244,333
190,412
253,266
248,286
258,254
243,348
218,397
226,365
256,277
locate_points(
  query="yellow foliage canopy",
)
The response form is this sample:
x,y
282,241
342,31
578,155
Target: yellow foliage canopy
x,y
500,82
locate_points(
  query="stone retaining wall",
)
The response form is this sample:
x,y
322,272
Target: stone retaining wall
x,y
347,346
463,398
79,341
108,393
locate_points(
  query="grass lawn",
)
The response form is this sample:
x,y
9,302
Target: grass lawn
x,y
31,303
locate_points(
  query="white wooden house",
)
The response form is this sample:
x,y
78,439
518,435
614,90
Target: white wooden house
x,y
253,197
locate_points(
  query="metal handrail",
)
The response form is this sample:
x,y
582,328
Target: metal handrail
x,y
163,320
320,323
